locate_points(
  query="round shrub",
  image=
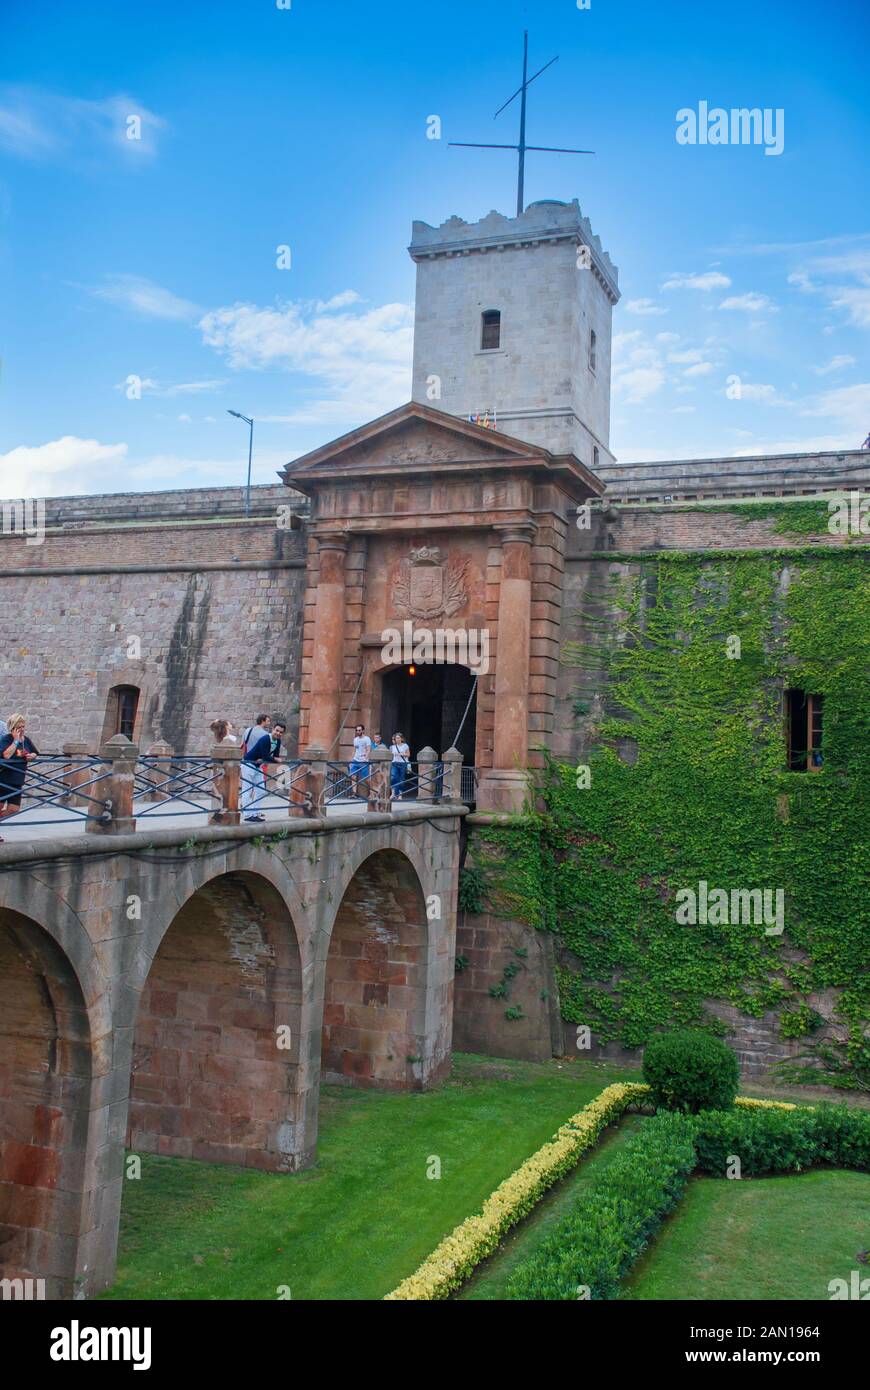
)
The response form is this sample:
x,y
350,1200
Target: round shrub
x,y
689,1070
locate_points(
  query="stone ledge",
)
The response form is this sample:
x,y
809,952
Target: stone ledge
x,y
137,841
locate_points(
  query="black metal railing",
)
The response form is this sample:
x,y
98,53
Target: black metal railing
x,y
61,789
74,791
274,787
186,783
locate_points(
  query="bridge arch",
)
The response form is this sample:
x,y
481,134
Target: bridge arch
x,y
220,1066
46,1067
381,977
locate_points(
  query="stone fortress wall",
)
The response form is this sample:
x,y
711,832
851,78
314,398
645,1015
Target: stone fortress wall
x,y
217,602
176,593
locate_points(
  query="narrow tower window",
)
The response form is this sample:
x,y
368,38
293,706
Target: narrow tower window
x,y
122,711
490,328
803,723
592,350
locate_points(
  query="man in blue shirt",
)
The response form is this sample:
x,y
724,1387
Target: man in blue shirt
x,y
257,750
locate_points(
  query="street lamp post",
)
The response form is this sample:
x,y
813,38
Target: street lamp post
x,y
248,421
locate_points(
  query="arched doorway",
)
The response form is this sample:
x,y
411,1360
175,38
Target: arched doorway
x,y
374,1015
216,1064
45,1082
427,703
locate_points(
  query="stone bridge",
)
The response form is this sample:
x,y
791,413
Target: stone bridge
x,y
185,996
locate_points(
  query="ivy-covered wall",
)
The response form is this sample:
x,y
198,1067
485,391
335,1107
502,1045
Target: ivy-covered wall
x,y
687,782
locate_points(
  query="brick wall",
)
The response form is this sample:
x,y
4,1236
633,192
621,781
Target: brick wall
x,y
487,944
374,1002
216,609
209,1080
45,1069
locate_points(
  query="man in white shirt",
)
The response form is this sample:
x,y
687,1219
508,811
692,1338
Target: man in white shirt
x,y
359,768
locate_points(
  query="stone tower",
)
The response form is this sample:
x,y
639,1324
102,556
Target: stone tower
x,y
513,316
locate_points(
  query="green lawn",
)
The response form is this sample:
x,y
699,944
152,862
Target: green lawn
x,y
490,1280
366,1214
760,1238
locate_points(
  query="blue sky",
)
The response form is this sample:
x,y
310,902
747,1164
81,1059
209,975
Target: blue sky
x,y
306,127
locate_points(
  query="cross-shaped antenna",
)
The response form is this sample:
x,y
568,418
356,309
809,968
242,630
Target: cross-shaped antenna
x,y
522,146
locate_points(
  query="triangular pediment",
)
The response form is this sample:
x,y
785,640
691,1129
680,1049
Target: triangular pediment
x,y
413,435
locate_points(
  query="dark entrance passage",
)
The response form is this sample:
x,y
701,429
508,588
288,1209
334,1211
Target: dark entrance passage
x,y
427,707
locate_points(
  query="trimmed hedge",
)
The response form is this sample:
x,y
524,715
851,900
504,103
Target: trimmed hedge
x,y
600,1238
472,1240
783,1141
690,1070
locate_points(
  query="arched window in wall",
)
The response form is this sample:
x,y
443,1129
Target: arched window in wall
x,y
121,711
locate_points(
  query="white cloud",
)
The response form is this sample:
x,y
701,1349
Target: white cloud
x,y
75,467
836,364
144,298
644,307
849,406
802,281
76,464
339,301
150,386
638,369
37,124
686,355
750,303
363,359
699,369
709,280
824,275
856,302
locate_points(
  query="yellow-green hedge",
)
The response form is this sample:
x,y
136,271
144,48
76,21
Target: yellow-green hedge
x,y
474,1239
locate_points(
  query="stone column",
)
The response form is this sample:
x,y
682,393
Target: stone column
x,y
505,784
116,788
315,781
379,780
156,775
328,654
427,761
227,758
452,788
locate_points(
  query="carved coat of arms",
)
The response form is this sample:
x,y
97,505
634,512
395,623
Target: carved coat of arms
x,y
426,587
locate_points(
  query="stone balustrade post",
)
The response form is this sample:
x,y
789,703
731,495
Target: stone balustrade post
x,y
116,788
315,756
155,775
379,780
427,763
452,788
227,759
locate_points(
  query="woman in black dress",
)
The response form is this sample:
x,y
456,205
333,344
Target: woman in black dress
x,y
16,750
